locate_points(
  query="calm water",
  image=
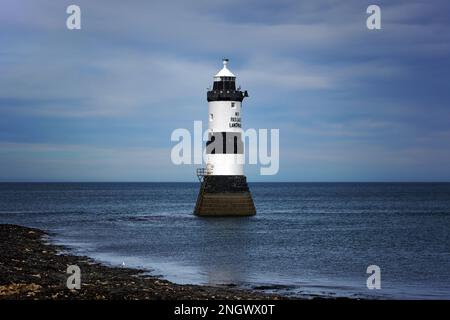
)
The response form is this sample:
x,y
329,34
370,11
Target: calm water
x,y
307,238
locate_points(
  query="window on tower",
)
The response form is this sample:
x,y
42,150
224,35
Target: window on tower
x,y
233,105
211,117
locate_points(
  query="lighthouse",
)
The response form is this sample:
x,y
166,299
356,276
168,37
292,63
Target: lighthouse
x,y
224,190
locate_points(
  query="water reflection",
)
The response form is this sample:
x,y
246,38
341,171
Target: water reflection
x,y
226,257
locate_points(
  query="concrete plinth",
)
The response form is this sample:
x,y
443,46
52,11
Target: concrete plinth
x,y
224,196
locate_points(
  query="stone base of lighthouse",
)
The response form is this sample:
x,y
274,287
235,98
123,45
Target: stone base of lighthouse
x,y
224,196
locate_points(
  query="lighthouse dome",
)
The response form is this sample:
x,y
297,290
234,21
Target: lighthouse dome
x,y
224,86
224,72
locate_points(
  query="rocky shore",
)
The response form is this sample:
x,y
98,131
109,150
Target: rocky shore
x,y
31,268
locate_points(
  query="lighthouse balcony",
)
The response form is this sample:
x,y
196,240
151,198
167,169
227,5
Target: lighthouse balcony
x,y
202,172
226,95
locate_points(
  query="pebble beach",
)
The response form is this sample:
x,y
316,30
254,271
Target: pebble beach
x,y
32,268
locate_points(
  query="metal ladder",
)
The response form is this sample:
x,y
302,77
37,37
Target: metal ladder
x,y
201,173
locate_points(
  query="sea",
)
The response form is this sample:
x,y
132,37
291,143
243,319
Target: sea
x,y
306,240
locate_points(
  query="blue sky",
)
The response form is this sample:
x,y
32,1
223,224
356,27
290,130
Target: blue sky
x,y
100,103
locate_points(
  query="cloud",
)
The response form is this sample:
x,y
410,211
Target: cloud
x,y
136,72
120,60
50,162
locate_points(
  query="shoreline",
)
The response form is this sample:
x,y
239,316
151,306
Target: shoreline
x,y
31,268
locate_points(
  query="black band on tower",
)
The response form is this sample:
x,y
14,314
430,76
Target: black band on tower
x,y
216,184
225,143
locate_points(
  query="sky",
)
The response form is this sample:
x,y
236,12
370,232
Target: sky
x,y
100,103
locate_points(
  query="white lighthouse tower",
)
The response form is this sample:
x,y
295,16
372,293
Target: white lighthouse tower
x,y
224,190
